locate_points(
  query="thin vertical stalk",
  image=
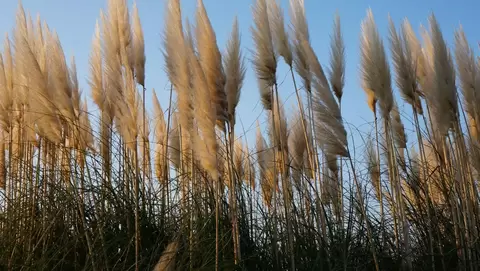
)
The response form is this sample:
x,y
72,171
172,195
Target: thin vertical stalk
x,y
460,194
392,178
469,226
217,226
232,191
316,166
382,214
340,219
304,126
274,196
166,179
427,188
285,189
144,146
472,185
364,211
192,189
137,219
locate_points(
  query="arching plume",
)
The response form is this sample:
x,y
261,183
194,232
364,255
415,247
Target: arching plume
x,y
138,51
373,167
331,135
469,76
280,37
264,57
177,66
34,91
96,72
204,139
160,135
211,63
337,60
375,71
297,146
443,98
300,35
234,67
404,69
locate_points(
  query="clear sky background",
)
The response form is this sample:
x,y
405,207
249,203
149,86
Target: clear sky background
x,y
74,21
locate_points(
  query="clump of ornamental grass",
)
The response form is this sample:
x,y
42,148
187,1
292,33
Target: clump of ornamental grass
x,y
117,185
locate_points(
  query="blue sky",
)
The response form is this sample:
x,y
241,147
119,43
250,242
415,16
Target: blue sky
x,y
74,20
